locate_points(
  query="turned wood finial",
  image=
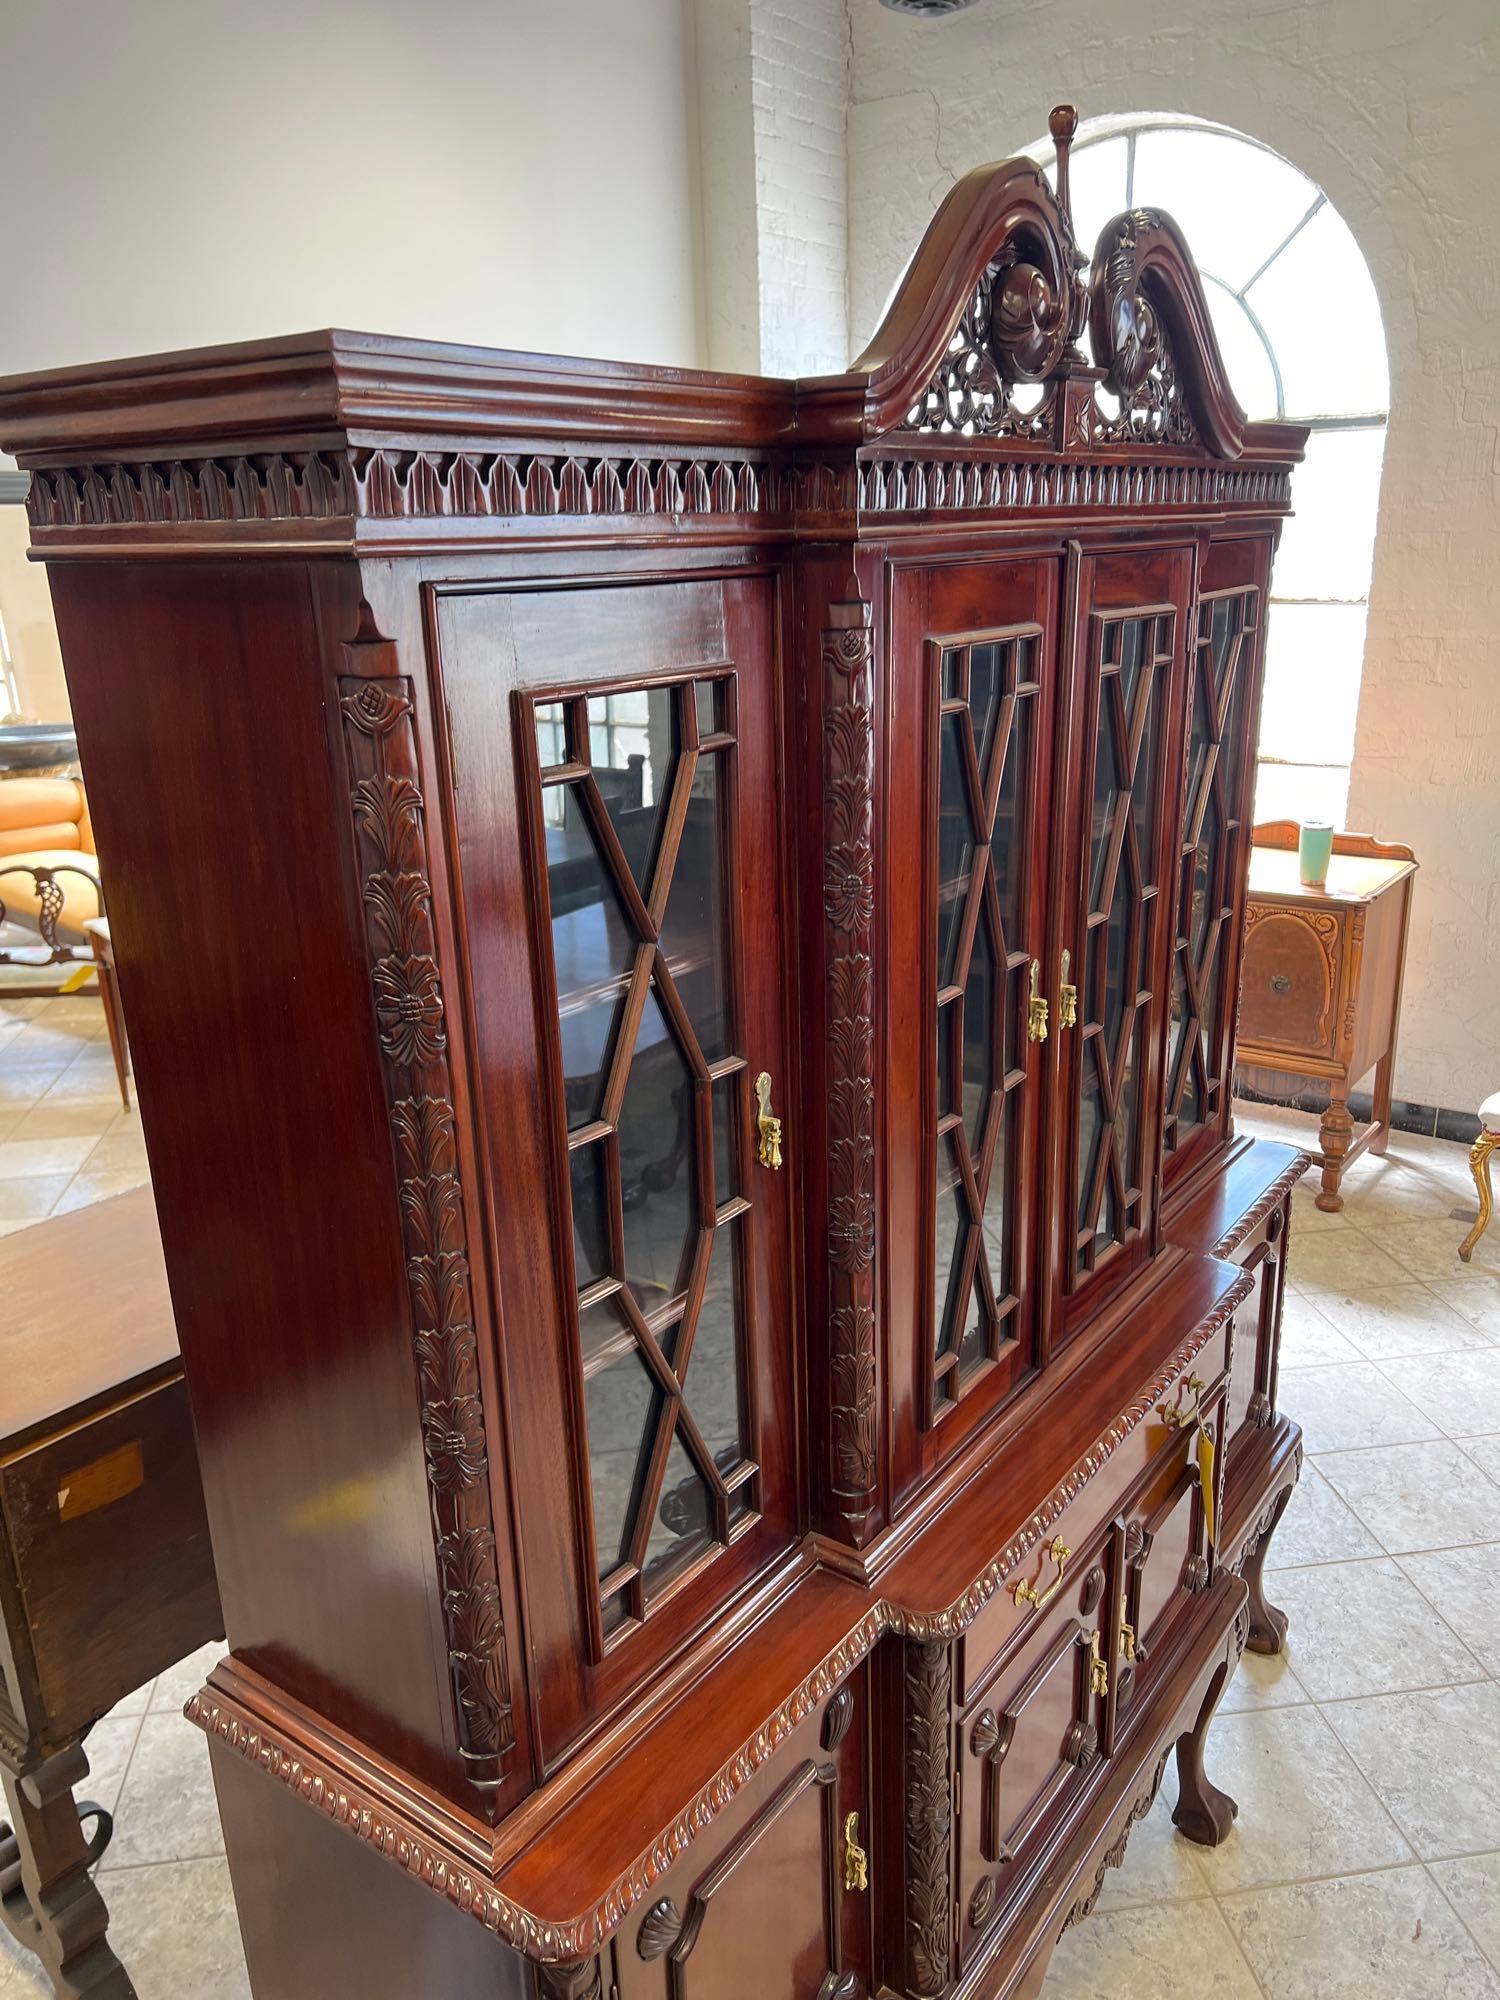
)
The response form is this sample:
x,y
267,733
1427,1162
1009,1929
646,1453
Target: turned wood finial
x,y
1062,124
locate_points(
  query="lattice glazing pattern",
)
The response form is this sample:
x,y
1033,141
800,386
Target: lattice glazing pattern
x,y
986,720
1211,847
637,815
1133,654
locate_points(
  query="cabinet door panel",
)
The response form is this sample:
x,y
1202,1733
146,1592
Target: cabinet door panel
x,y
1125,758
1223,708
780,1903
974,668
627,991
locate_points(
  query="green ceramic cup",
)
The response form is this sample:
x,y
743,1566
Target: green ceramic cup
x,y
1314,851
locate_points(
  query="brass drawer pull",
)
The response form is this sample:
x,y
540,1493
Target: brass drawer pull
x,y
1036,1013
1067,996
1179,1418
1098,1670
856,1861
1127,1641
1029,1593
767,1125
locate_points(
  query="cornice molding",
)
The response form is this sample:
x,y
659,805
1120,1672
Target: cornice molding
x,y
342,1790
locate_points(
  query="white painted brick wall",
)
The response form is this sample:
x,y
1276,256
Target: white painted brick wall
x,y
799,62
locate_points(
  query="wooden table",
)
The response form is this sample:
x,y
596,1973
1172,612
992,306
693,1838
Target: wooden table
x,y
106,1578
1320,995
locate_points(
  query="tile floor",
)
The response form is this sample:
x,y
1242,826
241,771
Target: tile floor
x,y
1366,1859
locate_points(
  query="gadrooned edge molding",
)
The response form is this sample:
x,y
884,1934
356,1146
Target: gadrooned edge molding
x,y
1246,1225
346,1802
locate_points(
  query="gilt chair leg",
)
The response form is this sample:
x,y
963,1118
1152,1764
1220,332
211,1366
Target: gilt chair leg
x,y
1479,1160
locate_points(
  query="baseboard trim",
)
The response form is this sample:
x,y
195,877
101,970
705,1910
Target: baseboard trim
x,y
1430,1121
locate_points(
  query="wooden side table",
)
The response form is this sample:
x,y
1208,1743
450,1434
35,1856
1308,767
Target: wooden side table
x,y
106,1577
1320,995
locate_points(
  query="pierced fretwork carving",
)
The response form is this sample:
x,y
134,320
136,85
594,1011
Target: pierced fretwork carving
x,y
929,1817
387,805
1131,343
849,914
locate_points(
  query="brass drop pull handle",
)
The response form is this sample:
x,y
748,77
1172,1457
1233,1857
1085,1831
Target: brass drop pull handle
x,y
1127,1641
1030,1593
767,1125
1036,1015
1186,1418
856,1861
1067,996
1178,1419
1098,1670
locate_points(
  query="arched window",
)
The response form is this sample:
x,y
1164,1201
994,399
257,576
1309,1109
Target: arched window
x,y
1283,274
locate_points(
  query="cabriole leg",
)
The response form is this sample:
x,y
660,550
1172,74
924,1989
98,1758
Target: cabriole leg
x,y
47,1895
1267,1621
1203,1813
1479,1160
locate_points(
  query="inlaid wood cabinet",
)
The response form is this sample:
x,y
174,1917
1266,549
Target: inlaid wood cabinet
x,y
732,1340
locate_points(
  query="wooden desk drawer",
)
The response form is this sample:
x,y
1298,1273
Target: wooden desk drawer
x,y
112,1561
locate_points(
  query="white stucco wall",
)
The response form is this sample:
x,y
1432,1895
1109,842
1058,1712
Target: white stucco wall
x,y
1392,110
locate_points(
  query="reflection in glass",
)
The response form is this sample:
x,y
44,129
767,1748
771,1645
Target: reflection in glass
x,y
593,947
551,733
692,932
683,1527
1007,842
590,1214
955,843
633,745
621,1402
986,687
656,1163
952,1212
979,1034
712,1385
726,1138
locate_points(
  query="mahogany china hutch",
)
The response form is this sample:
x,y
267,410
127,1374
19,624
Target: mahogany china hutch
x,y
680,936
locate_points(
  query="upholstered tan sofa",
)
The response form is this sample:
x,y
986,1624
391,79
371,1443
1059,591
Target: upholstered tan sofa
x,y
44,823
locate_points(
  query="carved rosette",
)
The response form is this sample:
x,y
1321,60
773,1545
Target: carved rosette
x,y
929,1819
387,805
1130,342
848,915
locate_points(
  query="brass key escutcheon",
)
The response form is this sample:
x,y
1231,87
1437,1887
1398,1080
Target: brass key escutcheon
x,y
767,1124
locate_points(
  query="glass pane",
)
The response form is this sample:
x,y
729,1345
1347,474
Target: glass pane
x,y
707,697
985,690
1233,201
593,946
947,1023
997,1206
683,1527
726,1139
1314,653
980,993
711,1388
1328,545
692,934
1302,791
1092,1131
633,744
1108,784
955,843
1246,359
971,1333
590,1214
621,1401
952,1214
551,734
1007,843
656,1163
1320,281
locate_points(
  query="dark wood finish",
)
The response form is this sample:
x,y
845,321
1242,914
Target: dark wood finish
x,y
106,1576
109,993
697,784
1323,972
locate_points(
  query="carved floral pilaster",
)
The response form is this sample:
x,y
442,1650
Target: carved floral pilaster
x,y
387,806
929,1818
849,914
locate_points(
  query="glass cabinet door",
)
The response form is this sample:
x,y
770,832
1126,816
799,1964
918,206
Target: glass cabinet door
x,y
1127,763
621,864
1211,854
973,661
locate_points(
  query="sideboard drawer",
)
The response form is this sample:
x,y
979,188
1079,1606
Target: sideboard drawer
x,y
1006,1616
1031,1735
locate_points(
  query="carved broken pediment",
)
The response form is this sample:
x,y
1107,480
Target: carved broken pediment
x,y
1131,342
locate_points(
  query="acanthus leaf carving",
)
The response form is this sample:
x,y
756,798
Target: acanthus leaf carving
x,y
387,813
928,1814
849,912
